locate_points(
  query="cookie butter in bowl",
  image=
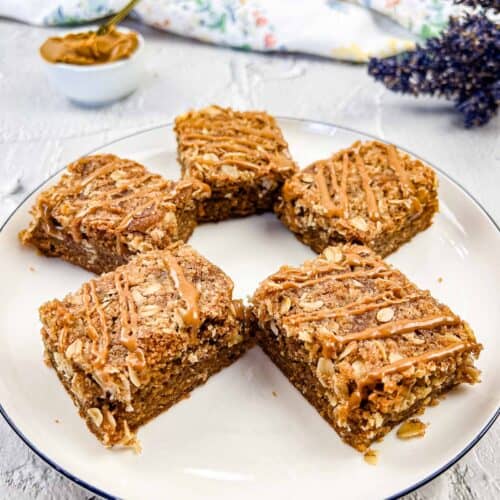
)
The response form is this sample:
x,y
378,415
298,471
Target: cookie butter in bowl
x,y
94,69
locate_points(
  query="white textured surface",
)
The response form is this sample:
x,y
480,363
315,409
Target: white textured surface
x,y
40,131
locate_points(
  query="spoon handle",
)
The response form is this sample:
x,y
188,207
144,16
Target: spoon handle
x,y
117,18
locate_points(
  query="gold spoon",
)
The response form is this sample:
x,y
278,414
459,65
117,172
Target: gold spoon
x,y
117,18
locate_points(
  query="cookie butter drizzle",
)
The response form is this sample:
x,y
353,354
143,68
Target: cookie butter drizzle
x,y
356,308
105,200
342,209
128,313
400,366
100,341
246,140
108,198
293,278
399,327
395,164
377,272
371,202
333,210
187,291
326,198
403,364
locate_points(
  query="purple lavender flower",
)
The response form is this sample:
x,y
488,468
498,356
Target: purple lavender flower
x,y
485,4
462,65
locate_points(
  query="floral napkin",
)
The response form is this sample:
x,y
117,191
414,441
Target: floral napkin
x,y
352,30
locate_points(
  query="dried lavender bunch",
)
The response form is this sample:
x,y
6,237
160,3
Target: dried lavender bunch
x,y
462,64
484,4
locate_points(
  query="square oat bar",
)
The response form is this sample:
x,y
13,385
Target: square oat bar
x,y
369,193
105,209
363,344
241,155
130,343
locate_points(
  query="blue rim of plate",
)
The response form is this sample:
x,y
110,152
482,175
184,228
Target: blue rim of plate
x,y
326,125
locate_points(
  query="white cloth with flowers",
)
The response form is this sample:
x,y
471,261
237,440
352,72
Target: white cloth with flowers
x,y
352,30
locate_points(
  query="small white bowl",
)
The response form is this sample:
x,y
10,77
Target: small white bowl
x,y
98,84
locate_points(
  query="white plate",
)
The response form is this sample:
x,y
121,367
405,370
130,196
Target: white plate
x,y
233,438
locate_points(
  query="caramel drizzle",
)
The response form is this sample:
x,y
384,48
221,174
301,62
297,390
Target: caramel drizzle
x,y
332,209
218,128
373,273
403,364
238,163
106,200
398,367
343,186
76,223
100,343
136,191
326,200
188,292
128,314
231,158
234,144
399,327
350,259
395,164
362,306
371,202
273,134
47,217
104,170
244,140
133,187
103,203
128,218
368,304
104,337
91,330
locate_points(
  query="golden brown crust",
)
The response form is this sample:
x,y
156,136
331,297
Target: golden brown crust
x,y
242,156
126,331
369,193
109,208
376,347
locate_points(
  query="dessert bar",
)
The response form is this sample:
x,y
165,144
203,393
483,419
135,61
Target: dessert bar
x,y
105,209
363,344
369,193
132,342
241,155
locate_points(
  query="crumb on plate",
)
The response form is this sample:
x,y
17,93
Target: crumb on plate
x,y
371,457
412,428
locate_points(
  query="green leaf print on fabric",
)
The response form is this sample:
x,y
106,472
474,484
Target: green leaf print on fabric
x,y
219,24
